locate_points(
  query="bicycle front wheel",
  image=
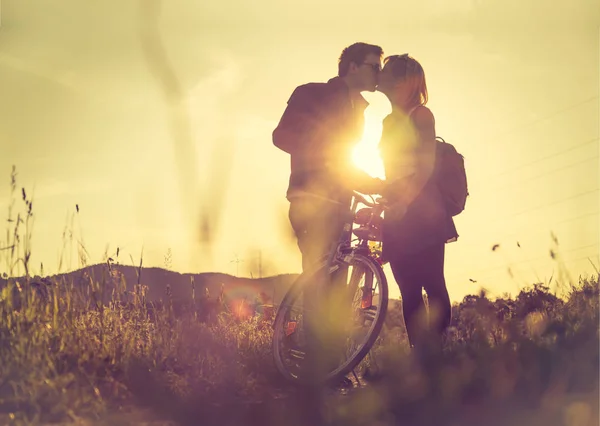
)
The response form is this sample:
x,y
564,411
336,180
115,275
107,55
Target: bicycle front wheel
x,y
358,308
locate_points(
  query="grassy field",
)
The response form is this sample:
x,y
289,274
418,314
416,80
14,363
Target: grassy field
x,y
66,356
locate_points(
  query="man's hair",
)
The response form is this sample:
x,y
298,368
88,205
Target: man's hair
x,y
356,53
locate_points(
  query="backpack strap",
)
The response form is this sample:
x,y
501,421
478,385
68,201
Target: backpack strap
x,y
412,110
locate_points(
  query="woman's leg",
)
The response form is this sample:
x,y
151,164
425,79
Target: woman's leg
x,y
440,310
406,274
413,272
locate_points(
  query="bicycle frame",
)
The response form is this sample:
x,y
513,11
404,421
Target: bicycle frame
x,y
343,247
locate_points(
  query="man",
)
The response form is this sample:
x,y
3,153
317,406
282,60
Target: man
x,y
319,128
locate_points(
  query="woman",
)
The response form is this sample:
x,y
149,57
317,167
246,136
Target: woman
x,y
417,228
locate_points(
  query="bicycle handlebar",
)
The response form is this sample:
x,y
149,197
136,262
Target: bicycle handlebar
x,y
382,202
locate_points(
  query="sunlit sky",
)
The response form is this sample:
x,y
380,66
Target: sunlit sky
x,y
84,117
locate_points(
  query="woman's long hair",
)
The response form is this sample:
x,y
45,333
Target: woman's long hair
x,y
407,68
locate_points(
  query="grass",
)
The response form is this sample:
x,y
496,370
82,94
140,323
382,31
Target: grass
x,y
66,356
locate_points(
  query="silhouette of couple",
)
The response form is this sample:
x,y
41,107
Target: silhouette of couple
x,y
319,129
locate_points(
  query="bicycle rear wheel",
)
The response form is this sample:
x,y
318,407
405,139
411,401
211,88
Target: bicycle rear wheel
x,y
359,309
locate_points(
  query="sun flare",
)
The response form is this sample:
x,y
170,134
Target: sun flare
x,y
366,154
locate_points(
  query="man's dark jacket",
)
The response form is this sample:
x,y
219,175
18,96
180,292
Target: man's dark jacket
x,y
319,128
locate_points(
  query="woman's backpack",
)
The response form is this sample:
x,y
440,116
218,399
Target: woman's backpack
x,y
451,177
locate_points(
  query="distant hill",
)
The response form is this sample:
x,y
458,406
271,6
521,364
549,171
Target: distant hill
x,y
157,280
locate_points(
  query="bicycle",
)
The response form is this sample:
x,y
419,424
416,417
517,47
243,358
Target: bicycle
x,y
368,315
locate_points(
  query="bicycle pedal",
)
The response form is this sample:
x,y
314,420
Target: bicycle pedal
x,y
370,312
297,354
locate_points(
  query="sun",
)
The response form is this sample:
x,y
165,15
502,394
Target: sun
x,y
365,154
